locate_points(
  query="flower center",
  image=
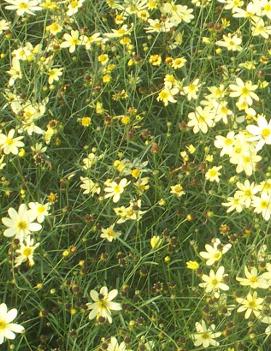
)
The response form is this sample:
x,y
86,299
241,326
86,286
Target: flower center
x,y
266,132
253,279
22,225
41,209
117,189
102,304
252,304
205,335
23,6
245,91
9,141
217,255
27,251
264,204
3,325
214,282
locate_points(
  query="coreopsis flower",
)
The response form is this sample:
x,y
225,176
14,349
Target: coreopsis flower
x,y
54,74
132,212
7,328
219,109
244,91
216,92
225,143
155,60
88,41
200,120
9,144
248,163
214,253
110,234
103,304
4,25
89,186
21,223
119,33
103,59
90,160
253,279
259,28
14,72
193,265
265,186
177,190
266,8
235,203
246,192
23,53
134,6
252,304
205,336
114,189
158,26
170,82
23,6
40,211
32,113
167,95
177,13
214,282
231,42
26,252
115,346
251,12
74,6
261,132
142,184
213,174
191,90
156,241
262,205
178,62
54,28
71,41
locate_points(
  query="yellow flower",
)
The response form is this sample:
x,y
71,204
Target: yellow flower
x,y
244,91
103,59
125,119
54,74
213,174
103,304
71,41
192,265
135,172
26,252
230,42
177,190
155,60
167,95
107,78
114,190
179,62
8,329
54,28
85,121
156,242
99,108
109,233
252,304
